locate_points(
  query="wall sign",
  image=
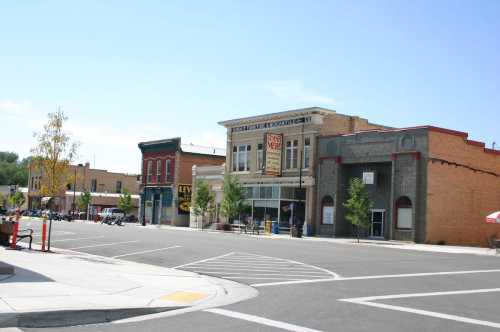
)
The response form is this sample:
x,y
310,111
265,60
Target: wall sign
x,y
273,124
184,198
272,154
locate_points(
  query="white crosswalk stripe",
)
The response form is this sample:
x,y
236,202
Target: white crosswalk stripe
x,y
249,268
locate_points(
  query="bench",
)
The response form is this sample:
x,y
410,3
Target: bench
x,y
6,229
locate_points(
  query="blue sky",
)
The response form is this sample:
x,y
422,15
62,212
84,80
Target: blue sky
x,y
126,71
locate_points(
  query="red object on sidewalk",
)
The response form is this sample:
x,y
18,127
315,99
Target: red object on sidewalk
x,y
44,234
15,228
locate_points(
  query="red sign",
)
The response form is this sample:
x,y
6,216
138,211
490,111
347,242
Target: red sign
x,y
274,147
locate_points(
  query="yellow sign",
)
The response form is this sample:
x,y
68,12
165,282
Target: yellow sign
x,y
273,148
184,198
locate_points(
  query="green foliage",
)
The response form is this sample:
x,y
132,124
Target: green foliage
x,y
125,202
17,200
203,199
12,170
233,200
84,200
2,200
358,205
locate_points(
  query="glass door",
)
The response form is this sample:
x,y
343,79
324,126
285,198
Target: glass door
x,y
377,225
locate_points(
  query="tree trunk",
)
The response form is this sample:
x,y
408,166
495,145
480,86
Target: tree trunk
x,y
357,232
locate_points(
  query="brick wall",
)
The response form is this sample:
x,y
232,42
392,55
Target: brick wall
x,y
459,198
187,160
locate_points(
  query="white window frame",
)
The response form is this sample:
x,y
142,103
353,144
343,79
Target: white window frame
x,y
291,153
241,155
168,164
307,153
149,170
158,171
260,156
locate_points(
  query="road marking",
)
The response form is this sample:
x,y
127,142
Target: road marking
x,y
184,297
368,302
103,245
10,329
145,252
56,232
260,320
201,261
78,238
385,276
250,269
224,273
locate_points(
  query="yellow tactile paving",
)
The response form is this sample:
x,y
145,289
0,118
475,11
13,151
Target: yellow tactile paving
x,y
184,297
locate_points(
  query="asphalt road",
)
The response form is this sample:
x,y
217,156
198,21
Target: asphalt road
x,y
304,285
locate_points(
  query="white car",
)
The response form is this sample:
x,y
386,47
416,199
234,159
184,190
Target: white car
x,y
111,212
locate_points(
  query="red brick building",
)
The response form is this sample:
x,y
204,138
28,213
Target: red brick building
x,y
167,176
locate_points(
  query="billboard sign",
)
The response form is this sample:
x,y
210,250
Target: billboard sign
x,y
273,148
184,198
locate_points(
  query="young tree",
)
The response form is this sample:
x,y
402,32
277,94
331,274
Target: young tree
x,y
125,202
52,155
84,200
17,199
233,200
203,200
358,205
2,200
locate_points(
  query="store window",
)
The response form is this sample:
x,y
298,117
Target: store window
x,y
241,157
158,171
307,152
150,171
404,213
260,156
291,154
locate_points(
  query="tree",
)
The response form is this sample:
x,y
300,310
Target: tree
x,y
53,154
84,200
17,199
358,205
233,200
203,200
2,200
13,171
125,202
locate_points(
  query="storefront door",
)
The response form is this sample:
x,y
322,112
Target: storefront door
x,y
377,223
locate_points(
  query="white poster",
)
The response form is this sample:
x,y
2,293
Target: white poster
x,y
328,215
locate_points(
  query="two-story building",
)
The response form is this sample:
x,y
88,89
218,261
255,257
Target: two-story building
x,y
167,176
274,156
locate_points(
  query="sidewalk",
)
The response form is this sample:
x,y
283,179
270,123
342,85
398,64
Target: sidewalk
x,y
71,288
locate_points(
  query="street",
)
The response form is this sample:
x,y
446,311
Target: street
x,y
303,285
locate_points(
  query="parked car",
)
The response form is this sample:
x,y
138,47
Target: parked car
x,y
111,212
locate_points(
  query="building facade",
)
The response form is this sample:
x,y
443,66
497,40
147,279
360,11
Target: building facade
x,y
167,177
214,177
427,184
105,188
274,156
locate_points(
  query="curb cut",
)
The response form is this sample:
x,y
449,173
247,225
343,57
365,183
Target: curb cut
x,y
60,318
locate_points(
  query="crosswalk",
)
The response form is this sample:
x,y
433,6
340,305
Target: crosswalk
x,y
256,269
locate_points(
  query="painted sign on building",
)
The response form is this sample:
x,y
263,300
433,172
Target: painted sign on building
x,y
184,198
272,152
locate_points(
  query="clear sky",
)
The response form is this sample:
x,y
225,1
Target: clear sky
x,y
126,71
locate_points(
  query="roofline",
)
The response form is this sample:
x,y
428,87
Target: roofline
x,y
263,117
160,141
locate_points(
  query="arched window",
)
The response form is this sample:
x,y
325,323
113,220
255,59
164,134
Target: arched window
x,y
327,210
404,213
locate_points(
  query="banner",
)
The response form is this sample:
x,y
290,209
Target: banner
x,y
272,153
184,198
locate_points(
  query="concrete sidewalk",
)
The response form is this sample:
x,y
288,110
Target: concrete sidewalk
x,y
72,288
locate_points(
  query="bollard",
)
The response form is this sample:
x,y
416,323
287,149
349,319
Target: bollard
x,y
15,228
44,233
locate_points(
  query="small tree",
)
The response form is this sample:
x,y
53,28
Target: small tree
x,y
203,200
125,202
17,199
2,199
83,201
358,205
233,200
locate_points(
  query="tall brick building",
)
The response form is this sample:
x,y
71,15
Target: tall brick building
x,y
167,176
428,184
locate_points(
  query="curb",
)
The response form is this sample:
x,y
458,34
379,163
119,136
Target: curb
x,y
60,318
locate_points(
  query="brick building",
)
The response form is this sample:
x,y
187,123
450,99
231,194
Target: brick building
x,y
105,188
167,176
281,185
428,184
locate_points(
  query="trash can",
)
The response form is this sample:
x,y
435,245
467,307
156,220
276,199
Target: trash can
x,y
268,227
276,227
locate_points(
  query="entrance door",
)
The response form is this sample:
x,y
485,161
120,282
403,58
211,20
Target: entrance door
x,y
377,226
156,209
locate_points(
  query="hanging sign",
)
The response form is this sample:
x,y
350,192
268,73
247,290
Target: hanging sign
x,y
184,198
272,154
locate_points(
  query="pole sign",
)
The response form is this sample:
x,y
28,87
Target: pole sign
x,y
273,148
184,198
